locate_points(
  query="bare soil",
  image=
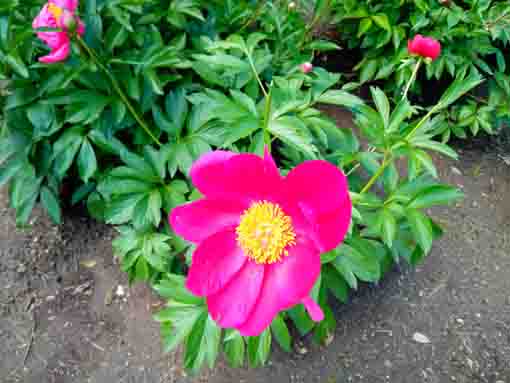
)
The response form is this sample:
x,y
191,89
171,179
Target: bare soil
x,y
64,318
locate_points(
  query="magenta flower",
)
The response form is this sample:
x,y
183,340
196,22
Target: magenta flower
x,y
424,46
259,235
58,14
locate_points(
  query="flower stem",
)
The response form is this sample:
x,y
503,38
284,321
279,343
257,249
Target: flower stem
x,y
421,122
411,80
254,69
118,89
380,171
267,117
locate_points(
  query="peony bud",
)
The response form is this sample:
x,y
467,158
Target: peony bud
x,y
426,47
306,67
292,5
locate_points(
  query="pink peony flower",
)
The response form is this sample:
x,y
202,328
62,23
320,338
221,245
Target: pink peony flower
x,y
260,235
306,67
424,46
58,14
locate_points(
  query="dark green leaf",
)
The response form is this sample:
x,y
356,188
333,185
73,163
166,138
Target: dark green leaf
x,y
87,162
50,203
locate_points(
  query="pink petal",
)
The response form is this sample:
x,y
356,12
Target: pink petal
x,y
286,284
215,261
205,170
242,176
331,228
231,306
195,221
313,309
431,48
316,187
56,55
70,5
270,165
81,26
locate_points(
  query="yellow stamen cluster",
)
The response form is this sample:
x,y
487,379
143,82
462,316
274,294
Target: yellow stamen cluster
x,y
265,232
55,10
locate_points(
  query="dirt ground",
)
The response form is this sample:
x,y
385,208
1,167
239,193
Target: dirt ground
x,y
67,314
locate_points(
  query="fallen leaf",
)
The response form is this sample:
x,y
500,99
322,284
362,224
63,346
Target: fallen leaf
x,y
88,263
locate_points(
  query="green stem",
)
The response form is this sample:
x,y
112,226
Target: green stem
x,y
411,80
380,171
118,89
255,16
267,117
422,121
252,65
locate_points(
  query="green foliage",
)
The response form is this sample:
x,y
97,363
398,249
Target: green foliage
x,y
172,80
474,36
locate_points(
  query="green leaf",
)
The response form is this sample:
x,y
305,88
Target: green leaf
x,y
425,143
301,319
323,45
281,333
182,318
340,98
41,116
202,343
292,131
16,63
368,71
241,129
365,266
382,104
335,284
259,348
234,348
382,21
402,111
435,195
421,228
176,107
364,26
142,272
50,203
87,162
120,209
173,287
388,226
460,86
9,169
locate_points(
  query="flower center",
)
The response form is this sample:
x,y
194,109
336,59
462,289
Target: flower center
x,y
265,232
56,11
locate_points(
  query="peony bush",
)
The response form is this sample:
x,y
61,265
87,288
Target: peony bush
x,y
195,128
475,36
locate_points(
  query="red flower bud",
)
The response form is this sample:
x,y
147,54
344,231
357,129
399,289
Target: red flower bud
x,y
424,46
306,67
